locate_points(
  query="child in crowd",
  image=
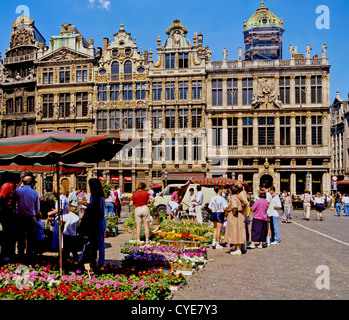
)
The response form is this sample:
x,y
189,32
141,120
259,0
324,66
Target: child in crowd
x,y
71,221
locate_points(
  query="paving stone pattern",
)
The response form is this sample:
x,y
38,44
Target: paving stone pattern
x,y
281,272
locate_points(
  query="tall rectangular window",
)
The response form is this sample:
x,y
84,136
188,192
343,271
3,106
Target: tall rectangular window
x,y
183,118
30,104
217,132
170,90
81,104
170,149
157,119
170,119
301,90
247,131
81,74
141,117
183,90
182,149
140,91
47,105
196,118
157,150
183,60
47,75
217,91
247,91
157,91
18,104
316,130
64,75
316,89
170,61
285,90
102,93
232,131
301,131
114,92
127,119
266,131
127,91
64,105
196,89
232,92
114,117
102,118
196,149
285,131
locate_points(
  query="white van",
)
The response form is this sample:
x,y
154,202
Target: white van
x,y
164,196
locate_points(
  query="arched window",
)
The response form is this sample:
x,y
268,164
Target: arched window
x,y
128,67
115,67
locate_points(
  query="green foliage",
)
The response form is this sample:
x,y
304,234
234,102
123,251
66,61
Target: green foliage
x,y
107,187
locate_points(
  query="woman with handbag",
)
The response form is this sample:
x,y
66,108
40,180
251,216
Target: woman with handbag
x,y
93,223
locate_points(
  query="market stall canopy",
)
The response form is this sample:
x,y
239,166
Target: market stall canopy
x,y
62,146
38,168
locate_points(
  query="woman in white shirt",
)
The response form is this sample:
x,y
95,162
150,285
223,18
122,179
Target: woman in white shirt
x,y
319,205
345,201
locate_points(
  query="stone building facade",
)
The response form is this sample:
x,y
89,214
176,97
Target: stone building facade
x,y
339,143
260,118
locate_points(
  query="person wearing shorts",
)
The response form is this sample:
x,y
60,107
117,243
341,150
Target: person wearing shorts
x,y
140,199
217,205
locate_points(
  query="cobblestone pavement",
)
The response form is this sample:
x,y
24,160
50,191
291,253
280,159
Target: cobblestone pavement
x,y
283,272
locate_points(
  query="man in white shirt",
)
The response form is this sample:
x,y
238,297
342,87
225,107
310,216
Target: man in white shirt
x,y
273,214
218,206
199,200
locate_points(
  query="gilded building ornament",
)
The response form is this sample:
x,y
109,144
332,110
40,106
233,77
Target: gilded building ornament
x,y
266,98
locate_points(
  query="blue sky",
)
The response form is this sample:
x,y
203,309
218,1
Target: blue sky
x,y
220,21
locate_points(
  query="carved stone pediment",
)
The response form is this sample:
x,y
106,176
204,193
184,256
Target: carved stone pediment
x,y
63,55
266,97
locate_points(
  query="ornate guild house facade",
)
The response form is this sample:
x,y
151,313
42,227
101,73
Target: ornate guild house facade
x,y
260,118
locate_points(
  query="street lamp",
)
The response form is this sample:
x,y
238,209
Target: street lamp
x,y
166,174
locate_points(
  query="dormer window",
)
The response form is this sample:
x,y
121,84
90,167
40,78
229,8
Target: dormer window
x,y
115,52
115,68
128,51
183,61
170,60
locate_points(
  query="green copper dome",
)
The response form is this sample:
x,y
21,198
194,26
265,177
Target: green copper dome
x,y
263,18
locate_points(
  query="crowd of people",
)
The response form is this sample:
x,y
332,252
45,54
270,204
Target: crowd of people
x,y
21,219
231,214
22,225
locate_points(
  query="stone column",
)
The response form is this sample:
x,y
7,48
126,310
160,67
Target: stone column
x,y
240,92
277,130
308,92
308,121
209,93
292,90
225,92
293,183
240,131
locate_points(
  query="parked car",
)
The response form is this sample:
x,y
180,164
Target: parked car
x,y
163,197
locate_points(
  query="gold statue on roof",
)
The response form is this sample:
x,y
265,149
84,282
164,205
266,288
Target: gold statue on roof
x,y
67,28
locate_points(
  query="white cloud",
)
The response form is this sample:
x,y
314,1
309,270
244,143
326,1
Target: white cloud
x,y
103,4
